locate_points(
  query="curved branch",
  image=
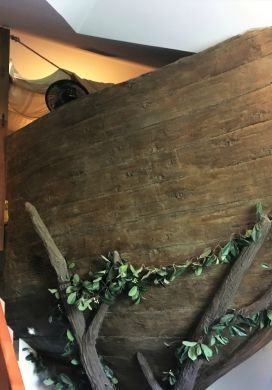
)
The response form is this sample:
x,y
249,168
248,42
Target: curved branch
x,y
58,262
260,304
225,295
256,342
222,300
86,340
92,363
149,376
94,328
56,258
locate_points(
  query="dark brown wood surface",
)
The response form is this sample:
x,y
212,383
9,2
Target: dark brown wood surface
x,y
4,90
159,168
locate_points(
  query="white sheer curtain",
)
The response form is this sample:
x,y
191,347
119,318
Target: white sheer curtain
x,y
26,97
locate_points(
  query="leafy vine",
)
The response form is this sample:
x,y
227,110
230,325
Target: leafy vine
x,y
120,277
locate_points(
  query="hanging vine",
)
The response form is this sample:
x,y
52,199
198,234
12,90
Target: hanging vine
x,y
219,324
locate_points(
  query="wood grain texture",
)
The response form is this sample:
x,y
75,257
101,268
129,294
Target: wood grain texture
x,y
4,93
158,168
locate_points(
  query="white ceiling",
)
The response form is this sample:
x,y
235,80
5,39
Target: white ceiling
x,y
189,25
39,18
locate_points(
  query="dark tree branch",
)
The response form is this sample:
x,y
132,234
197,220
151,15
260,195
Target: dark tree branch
x,y
252,345
75,317
93,330
89,352
256,342
86,339
92,363
222,301
225,294
149,376
263,303
58,262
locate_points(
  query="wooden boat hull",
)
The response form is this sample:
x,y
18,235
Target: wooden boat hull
x,y
159,168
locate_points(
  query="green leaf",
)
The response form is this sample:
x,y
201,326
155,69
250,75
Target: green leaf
x,y
114,380
171,378
138,300
269,314
189,343
227,318
106,259
72,298
225,251
134,271
254,234
205,253
265,266
65,379
123,269
212,259
48,382
53,290
69,335
198,270
259,210
71,265
71,289
238,330
83,304
162,272
97,279
208,352
192,353
74,362
198,350
234,249
248,233
133,291
218,328
76,279
212,341
150,272
222,340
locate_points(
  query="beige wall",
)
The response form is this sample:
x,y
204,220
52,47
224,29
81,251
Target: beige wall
x,y
86,64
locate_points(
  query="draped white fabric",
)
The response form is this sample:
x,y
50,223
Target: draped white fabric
x,y
27,97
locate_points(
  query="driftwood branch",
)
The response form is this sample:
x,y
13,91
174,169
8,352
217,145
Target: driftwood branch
x,y
222,301
91,359
225,294
92,363
252,345
263,303
256,342
57,260
86,339
149,376
75,317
